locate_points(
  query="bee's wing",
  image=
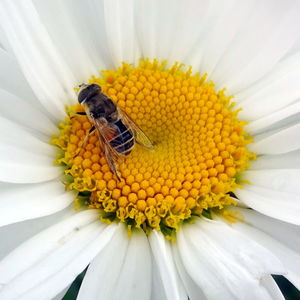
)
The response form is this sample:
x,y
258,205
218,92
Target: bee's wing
x,y
106,133
139,136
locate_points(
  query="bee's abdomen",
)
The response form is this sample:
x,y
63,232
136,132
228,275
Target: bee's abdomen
x,y
124,140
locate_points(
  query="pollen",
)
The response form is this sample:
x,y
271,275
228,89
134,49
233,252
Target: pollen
x,y
200,148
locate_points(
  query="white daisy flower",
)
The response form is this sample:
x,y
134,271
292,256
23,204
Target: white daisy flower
x,y
212,211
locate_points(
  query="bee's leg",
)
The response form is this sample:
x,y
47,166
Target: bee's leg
x,y
91,131
80,113
111,162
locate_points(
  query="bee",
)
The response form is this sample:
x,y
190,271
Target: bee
x,y
116,131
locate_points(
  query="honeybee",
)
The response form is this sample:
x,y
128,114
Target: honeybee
x,y
117,132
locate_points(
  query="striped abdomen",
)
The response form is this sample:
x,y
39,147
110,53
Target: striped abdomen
x,y
123,141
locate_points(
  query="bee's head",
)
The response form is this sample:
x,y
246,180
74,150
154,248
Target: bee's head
x,y
87,91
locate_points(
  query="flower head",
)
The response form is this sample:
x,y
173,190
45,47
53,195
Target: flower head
x,y
200,149
208,211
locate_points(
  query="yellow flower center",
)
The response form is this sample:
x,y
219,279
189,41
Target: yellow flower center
x,y
200,148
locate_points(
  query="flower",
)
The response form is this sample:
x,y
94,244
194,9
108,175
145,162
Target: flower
x,y
249,48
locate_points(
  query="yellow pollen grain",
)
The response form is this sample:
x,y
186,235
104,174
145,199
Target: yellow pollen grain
x,y
200,147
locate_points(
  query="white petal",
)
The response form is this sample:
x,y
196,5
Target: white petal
x,y
290,160
162,254
161,38
274,92
75,42
193,291
284,180
280,205
280,238
265,123
45,242
61,295
26,167
158,289
224,23
19,137
295,48
121,271
280,125
224,263
164,15
17,233
55,257
137,265
273,143
184,41
4,44
288,234
106,265
25,114
262,40
20,202
41,64
147,19
120,27
289,258
11,78
273,289
88,20
283,68
25,158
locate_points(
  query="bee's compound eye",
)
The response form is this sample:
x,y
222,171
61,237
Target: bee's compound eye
x,y
95,87
83,95
88,91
